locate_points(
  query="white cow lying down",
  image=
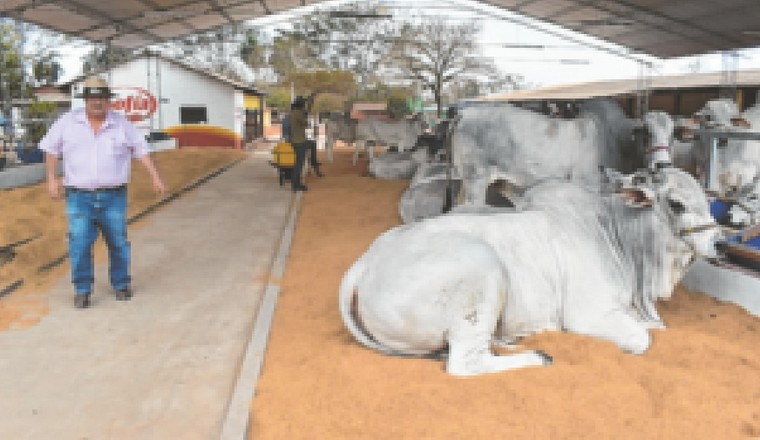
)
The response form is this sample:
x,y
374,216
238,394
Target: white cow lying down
x,y
568,259
396,164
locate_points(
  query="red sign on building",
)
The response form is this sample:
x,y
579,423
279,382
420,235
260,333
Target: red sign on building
x,y
137,103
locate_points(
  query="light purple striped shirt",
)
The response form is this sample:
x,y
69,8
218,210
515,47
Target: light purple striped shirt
x,y
94,160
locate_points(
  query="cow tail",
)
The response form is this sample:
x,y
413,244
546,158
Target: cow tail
x,y
348,308
350,313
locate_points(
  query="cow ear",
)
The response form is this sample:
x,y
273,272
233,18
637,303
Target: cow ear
x,y
637,197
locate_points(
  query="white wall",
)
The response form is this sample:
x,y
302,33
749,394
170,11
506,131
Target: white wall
x,y
173,86
184,87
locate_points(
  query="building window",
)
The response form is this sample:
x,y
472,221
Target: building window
x,y
193,115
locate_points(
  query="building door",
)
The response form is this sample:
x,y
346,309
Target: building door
x,y
253,128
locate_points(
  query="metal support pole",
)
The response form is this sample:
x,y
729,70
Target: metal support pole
x,y
448,202
730,61
643,89
451,123
711,179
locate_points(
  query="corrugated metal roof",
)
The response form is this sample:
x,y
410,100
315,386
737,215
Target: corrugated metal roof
x,y
139,23
663,28
749,77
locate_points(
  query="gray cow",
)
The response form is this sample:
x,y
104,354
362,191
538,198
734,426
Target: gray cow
x,y
401,134
338,128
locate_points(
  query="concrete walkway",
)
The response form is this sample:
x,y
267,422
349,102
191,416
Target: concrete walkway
x,y
164,365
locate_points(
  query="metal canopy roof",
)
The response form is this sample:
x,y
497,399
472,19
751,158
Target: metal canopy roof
x,y
663,28
139,23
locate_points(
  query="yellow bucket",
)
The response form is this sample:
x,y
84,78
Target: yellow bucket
x,y
283,154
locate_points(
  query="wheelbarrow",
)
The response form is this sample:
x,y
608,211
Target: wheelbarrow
x,y
283,159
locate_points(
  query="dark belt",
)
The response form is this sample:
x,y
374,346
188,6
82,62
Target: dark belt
x,y
96,190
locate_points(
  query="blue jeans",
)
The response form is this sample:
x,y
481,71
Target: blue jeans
x,y
300,149
89,212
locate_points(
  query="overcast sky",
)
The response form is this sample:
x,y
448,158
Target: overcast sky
x,y
563,60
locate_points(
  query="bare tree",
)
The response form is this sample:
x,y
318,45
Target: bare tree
x,y
354,38
291,54
224,51
435,54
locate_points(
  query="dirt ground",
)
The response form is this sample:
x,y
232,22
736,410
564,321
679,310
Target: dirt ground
x,y
699,380
29,211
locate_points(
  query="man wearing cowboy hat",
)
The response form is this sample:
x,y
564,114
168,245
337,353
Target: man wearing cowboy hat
x,y
97,146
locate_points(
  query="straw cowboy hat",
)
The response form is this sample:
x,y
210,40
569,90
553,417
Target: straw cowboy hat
x,y
96,87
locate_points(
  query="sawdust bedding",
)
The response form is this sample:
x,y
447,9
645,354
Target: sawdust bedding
x,y
699,380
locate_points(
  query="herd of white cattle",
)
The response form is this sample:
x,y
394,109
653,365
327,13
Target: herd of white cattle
x,y
557,224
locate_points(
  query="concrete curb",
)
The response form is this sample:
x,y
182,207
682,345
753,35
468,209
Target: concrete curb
x,y
237,422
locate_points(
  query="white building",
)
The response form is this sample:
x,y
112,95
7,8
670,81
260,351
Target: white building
x,y
167,98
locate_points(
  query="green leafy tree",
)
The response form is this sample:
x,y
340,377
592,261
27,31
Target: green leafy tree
x,y
329,103
102,57
396,98
330,89
41,53
323,81
12,81
397,107
11,64
23,46
279,97
47,70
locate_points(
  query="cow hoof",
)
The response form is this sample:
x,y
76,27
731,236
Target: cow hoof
x,y
547,360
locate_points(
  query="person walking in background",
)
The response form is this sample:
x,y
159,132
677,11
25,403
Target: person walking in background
x,y
298,117
97,146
